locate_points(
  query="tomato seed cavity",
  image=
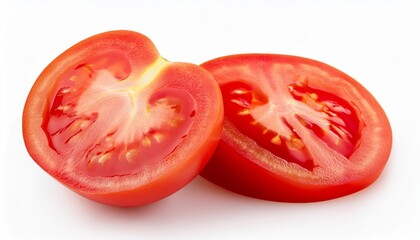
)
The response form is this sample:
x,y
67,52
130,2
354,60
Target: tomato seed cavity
x,y
343,132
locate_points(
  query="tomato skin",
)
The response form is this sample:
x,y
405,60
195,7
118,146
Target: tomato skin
x,y
154,181
240,164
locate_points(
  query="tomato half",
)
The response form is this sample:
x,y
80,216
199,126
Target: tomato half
x,y
117,123
295,130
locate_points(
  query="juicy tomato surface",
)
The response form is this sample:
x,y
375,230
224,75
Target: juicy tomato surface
x,y
117,123
295,130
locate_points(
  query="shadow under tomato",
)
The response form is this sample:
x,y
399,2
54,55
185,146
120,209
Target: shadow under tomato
x,y
199,199
204,208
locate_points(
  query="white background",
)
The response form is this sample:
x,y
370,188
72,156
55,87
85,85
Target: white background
x,y
376,42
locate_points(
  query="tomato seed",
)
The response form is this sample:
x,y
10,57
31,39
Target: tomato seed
x,y
158,137
131,154
240,91
245,111
276,140
146,141
240,102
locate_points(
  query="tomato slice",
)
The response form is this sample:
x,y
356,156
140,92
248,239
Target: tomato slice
x,y
117,123
295,130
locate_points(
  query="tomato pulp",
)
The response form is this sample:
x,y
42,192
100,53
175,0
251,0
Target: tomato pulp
x,y
295,129
117,123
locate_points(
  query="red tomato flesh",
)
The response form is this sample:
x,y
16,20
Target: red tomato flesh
x,y
119,124
295,129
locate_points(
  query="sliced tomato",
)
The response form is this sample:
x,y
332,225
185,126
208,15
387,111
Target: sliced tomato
x,y
117,123
295,130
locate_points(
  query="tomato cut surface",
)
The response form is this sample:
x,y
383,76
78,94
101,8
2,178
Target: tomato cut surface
x,y
295,129
117,123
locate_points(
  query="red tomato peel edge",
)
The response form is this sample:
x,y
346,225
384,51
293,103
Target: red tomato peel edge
x,y
115,122
295,130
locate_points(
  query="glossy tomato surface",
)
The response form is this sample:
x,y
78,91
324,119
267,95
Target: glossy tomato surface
x,y
295,129
117,123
